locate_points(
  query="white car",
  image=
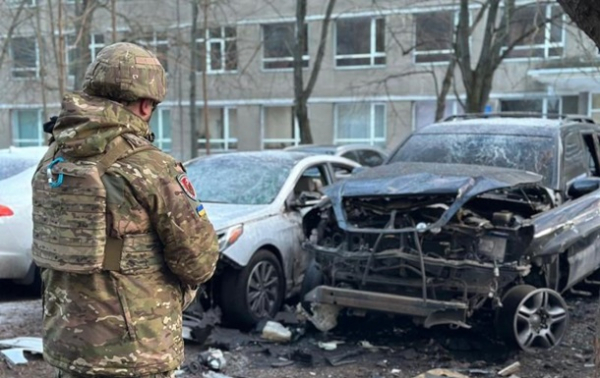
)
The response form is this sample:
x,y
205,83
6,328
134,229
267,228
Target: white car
x,y
17,166
256,201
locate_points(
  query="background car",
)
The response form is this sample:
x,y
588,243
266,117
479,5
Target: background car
x,y
256,201
17,166
496,212
365,155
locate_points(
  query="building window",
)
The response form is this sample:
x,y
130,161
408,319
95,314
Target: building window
x,y
567,105
278,46
547,39
17,3
280,128
25,57
27,128
223,126
220,54
96,44
158,43
160,124
424,112
360,42
434,36
360,123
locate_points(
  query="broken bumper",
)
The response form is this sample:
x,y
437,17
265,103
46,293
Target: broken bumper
x,y
432,310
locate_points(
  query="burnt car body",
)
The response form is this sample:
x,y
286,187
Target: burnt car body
x,y
494,213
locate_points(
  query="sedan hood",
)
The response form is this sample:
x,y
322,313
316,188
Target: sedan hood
x,y
404,179
223,216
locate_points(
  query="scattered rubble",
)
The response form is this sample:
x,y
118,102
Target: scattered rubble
x,y
329,345
276,332
14,349
324,316
510,369
441,373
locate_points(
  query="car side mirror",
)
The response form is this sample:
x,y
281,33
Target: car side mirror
x,y
583,186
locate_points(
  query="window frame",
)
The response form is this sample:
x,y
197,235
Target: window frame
x,y
228,139
547,45
294,140
14,68
305,57
372,55
450,52
160,140
223,43
17,3
93,47
41,140
372,139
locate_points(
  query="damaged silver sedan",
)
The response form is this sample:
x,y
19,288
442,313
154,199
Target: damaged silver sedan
x,y
457,222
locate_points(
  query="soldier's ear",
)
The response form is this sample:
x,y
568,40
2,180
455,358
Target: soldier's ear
x,y
145,108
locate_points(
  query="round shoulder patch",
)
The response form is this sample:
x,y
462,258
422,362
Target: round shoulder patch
x,y
186,185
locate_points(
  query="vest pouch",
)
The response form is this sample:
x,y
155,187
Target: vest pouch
x,y
70,219
141,254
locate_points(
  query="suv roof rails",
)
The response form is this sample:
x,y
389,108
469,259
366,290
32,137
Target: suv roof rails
x,y
563,117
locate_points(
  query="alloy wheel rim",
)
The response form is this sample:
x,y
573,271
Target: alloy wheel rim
x,y
262,289
540,320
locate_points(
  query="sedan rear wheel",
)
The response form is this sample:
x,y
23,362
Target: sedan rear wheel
x,y
255,292
533,318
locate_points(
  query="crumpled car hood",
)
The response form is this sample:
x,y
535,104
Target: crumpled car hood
x,y
403,179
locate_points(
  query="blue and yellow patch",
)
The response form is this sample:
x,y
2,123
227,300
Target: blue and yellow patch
x,y
201,211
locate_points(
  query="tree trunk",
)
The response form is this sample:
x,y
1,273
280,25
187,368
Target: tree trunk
x,y
586,14
193,60
300,109
440,107
84,11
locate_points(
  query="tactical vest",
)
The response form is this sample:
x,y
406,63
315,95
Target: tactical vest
x,y
70,228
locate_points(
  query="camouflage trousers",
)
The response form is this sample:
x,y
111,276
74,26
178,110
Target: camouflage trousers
x,y
65,374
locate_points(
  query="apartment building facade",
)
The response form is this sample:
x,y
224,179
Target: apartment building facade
x,y
382,68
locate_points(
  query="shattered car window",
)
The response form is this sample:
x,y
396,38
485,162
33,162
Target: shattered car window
x,y
235,180
530,153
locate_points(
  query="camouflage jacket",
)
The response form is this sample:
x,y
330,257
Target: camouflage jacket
x,y
126,323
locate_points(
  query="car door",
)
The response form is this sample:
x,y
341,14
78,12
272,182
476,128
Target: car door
x,y
309,183
574,226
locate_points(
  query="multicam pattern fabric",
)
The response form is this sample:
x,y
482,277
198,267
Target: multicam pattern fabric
x,y
65,374
126,322
125,72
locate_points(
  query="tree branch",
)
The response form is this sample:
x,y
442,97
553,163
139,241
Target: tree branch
x,y
321,50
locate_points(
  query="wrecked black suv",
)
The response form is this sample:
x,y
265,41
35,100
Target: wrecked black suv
x,y
496,212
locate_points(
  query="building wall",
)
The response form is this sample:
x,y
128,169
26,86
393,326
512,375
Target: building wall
x,y
405,88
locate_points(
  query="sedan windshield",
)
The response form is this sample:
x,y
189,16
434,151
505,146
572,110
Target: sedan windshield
x,y
231,179
524,152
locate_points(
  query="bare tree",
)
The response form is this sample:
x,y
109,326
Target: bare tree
x,y
84,15
15,20
499,41
586,14
301,93
193,63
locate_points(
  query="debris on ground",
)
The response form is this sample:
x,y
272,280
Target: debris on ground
x,y
324,316
276,332
344,358
14,349
329,345
198,325
373,348
510,369
441,373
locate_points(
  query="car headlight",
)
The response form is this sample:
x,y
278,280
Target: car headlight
x,y
230,236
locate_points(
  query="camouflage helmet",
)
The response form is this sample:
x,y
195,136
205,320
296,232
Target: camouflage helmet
x,y
125,72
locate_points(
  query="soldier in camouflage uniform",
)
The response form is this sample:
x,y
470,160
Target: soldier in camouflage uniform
x,y
119,235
